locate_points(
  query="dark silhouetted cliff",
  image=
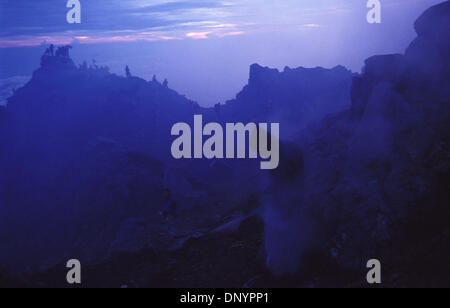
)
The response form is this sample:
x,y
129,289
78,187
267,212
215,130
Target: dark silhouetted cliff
x,y
294,97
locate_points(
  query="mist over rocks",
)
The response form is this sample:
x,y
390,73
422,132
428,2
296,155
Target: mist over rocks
x,y
281,204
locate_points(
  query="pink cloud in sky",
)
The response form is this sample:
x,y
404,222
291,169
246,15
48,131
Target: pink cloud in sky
x,y
34,41
198,35
57,40
234,33
312,26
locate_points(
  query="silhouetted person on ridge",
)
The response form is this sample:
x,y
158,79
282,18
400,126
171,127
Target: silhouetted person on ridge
x,y
165,83
127,72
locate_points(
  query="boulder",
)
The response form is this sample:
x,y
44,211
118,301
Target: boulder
x,y
434,23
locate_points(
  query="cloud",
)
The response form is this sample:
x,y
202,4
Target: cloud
x,y
198,35
312,26
28,23
233,33
177,6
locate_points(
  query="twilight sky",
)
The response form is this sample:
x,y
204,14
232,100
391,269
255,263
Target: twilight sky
x,y
204,47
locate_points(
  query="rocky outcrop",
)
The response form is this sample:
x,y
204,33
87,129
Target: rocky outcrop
x,y
294,97
373,167
427,63
82,158
433,24
261,77
421,72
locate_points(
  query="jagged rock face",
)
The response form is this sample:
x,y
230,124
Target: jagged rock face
x,y
294,97
421,72
262,76
69,133
427,63
57,62
434,23
375,164
88,102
